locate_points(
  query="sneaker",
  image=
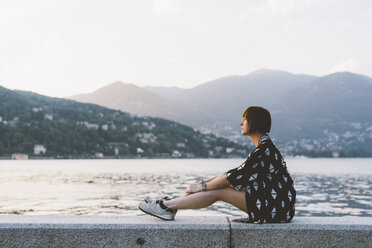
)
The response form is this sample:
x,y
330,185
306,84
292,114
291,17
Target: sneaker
x,y
156,210
149,199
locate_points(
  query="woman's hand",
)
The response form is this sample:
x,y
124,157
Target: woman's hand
x,y
216,182
193,188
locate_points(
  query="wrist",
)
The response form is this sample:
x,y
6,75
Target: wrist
x,y
203,186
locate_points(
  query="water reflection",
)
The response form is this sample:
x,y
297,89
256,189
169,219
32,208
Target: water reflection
x,y
333,196
89,191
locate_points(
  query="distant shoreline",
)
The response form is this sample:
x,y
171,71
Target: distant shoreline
x,y
158,157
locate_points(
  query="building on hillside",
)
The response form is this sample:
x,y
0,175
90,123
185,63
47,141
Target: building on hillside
x,y
335,154
116,145
19,156
37,109
48,117
176,154
39,149
99,155
88,125
218,149
180,144
229,149
13,123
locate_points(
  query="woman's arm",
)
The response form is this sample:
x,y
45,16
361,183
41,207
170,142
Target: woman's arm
x,y
217,182
208,180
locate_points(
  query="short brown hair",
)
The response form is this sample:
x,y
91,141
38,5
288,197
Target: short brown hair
x,y
259,119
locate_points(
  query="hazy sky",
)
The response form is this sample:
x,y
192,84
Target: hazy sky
x,y
62,48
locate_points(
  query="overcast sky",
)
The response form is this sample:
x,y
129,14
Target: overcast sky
x,y
62,48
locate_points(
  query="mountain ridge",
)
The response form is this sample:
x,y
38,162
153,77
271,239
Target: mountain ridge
x,y
69,129
293,100
139,101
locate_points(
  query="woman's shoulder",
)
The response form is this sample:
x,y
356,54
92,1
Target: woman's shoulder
x,y
268,147
265,148
264,143
256,154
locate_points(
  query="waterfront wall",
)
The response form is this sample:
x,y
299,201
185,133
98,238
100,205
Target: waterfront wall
x,y
185,231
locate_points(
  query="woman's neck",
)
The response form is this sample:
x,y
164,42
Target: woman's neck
x,y
255,137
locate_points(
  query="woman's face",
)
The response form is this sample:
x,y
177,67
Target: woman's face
x,y
244,126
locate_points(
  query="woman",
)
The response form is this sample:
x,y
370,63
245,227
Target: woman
x,y
261,186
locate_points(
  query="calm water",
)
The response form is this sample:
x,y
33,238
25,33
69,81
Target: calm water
x,y
325,187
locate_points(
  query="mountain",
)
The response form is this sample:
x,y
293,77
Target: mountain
x,y
126,97
171,93
315,116
226,98
331,112
141,101
215,106
68,129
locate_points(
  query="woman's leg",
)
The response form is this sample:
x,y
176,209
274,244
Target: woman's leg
x,y
206,198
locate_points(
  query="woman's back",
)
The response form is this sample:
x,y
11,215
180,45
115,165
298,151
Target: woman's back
x,y
270,194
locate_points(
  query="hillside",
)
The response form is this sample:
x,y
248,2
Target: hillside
x,y
315,116
329,113
227,97
214,106
141,101
69,129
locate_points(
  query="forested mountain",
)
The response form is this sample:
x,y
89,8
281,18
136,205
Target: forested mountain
x,y
67,128
315,116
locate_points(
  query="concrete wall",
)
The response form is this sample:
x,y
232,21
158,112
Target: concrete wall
x,y
185,231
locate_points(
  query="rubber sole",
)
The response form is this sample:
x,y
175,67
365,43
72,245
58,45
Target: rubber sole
x,y
153,214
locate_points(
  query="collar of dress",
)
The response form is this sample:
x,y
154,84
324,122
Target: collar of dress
x,y
263,138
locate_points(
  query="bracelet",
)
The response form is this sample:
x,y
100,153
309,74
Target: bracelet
x,y
204,186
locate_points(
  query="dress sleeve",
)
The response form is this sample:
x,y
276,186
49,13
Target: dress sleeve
x,y
240,176
231,176
236,176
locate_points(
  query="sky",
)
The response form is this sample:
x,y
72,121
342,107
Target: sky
x,y
63,48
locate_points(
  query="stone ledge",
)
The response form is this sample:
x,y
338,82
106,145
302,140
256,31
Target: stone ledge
x,y
185,231
305,232
112,231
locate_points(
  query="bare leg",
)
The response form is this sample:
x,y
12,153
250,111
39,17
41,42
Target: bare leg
x,y
207,198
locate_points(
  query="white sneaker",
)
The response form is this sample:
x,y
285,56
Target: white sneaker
x,y
154,209
149,199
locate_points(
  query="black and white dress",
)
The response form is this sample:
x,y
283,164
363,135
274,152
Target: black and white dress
x,y
269,190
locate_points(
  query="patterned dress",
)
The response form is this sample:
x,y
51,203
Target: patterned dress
x,y
269,192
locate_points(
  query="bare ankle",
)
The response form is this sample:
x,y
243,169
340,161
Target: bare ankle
x,y
167,204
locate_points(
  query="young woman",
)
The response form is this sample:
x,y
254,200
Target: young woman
x,y
261,186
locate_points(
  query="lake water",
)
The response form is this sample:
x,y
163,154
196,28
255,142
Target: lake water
x,y
325,187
